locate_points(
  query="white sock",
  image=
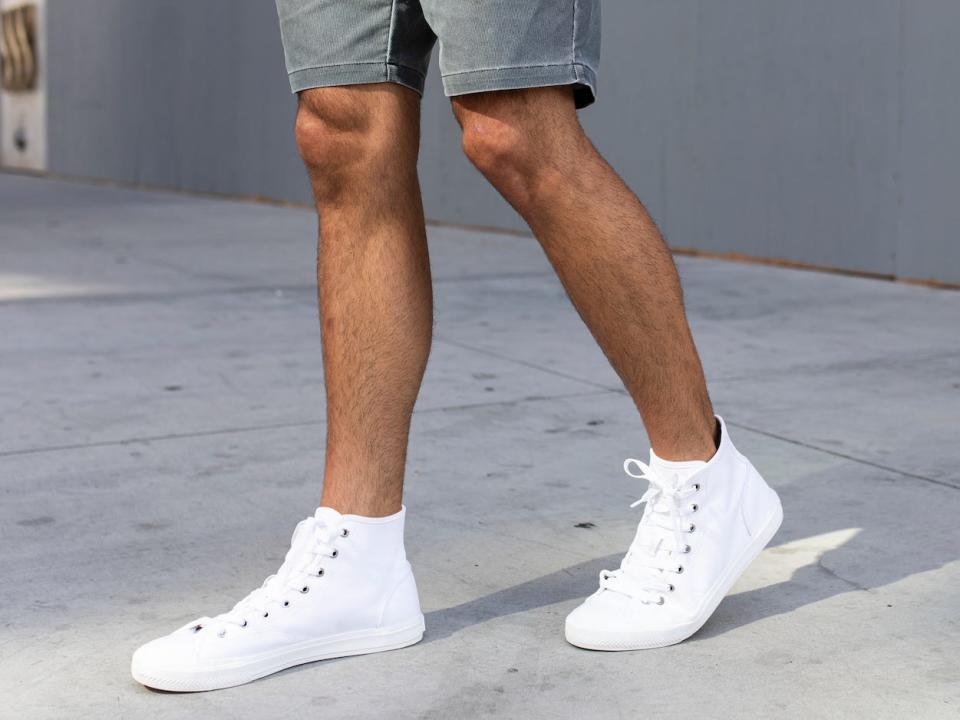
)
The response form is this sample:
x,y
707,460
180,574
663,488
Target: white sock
x,y
683,469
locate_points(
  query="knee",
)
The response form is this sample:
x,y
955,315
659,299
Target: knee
x,y
328,132
522,141
501,150
340,140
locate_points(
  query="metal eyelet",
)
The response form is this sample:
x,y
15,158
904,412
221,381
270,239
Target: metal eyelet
x,y
243,624
286,603
661,600
320,572
679,569
344,532
305,589
334,553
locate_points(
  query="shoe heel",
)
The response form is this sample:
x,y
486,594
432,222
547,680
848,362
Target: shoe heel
x,y
403,604
759,503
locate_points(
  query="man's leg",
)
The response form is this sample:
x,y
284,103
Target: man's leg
x,y
703,522
360,147
345,586
606,250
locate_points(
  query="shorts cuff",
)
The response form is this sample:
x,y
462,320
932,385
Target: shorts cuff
x,y
356,74
581,76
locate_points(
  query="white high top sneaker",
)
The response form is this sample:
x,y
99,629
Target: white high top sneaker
x,y
345,588
698,533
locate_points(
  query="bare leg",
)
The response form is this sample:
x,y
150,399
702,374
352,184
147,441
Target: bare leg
x,y
360,147
606,250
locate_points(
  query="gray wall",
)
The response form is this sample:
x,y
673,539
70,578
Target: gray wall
x,y
177,93
818,131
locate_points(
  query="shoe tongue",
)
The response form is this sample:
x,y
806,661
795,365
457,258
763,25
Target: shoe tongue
x,y
303,539
327,517
674,474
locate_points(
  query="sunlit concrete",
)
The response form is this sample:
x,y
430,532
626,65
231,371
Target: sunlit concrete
x,y
162,432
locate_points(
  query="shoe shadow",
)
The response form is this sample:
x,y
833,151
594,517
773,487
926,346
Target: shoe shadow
x,y
567,584
815,557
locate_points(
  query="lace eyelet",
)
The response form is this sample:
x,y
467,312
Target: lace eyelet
x,y
286,603
696,487
222,633
661,600
679,569
305,589
694,507
334,553
266,614
243,624
691,528
320,572
671,587
344,532
686,549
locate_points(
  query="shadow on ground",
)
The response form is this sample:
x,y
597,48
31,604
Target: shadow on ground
x,y
813,554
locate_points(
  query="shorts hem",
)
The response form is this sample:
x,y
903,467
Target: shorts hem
x,y
582,77
356,74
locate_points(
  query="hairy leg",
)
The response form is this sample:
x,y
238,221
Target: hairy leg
x,y
606,250
360,146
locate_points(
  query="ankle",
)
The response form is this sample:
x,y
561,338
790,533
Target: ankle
x,y
366,488
370,507
686,448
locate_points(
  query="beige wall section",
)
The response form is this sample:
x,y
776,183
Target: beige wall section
x,y
23,115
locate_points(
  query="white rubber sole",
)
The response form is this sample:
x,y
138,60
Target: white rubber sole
x,y
646,639
249,669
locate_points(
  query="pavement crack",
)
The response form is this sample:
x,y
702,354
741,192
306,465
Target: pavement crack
x,y
185,271
845,456
482,277
232,288
525,363
146,439
158,438
841,578
775,436
119,298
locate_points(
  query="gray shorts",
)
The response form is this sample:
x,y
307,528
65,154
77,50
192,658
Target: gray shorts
x,y
484,44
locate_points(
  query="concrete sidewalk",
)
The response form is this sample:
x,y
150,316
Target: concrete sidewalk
x,y
162,432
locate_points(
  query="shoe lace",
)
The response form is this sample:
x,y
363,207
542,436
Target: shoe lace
x,y
648,569
311,542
